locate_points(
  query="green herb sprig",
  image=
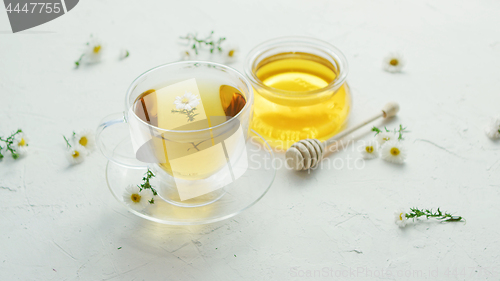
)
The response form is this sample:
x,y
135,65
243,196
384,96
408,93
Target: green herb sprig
x,y
9,141
197,43
396,131
68,144
415,213
147,185
67,141
78,62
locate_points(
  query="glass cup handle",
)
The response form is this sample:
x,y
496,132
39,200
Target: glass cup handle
x,y
114,142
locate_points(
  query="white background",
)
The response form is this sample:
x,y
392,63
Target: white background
x,y
61,223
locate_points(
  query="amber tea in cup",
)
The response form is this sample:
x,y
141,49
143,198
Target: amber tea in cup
x,y
300,90
190,105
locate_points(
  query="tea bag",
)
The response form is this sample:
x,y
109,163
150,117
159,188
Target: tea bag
x,y
232,100
146,108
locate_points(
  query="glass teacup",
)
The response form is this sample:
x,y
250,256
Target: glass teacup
x,y
177,129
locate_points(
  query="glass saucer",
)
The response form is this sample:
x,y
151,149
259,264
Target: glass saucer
x,y
234,198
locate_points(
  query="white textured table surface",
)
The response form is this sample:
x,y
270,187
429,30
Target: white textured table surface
x,y
61,223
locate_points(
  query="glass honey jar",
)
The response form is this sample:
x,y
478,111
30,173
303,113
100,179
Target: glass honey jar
x,y
300,90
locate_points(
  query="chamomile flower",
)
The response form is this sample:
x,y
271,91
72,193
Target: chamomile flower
x,y
230,53
384,137
370,150
393,151
76,154
16,144
20,144
493,129
137,199
85,138
186,102
187,54
93,51
400,218
394,63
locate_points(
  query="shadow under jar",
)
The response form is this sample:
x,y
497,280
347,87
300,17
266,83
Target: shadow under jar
x,y
300,90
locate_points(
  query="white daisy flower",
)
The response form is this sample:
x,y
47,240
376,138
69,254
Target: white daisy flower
x,y
85,138
188,101
385,136
400,218
493,129
137,199
230,53
187,54
370,150
393,151
21,144
124,53
394,63
93,51
76,154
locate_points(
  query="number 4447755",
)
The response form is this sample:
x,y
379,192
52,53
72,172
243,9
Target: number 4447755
x,y
47,8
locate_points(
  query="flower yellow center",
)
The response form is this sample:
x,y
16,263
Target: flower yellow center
x,y
394,62
386,138
83,141
136,198
22,142
230,53
96,49
75,154
369,149
185,100
400,216
395,151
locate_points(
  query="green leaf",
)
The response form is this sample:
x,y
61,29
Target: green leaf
x,y
377,130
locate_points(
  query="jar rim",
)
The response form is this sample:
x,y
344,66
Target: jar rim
x,y
325,47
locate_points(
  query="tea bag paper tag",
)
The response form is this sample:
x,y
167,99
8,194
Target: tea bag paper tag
x,y
177,102
231,148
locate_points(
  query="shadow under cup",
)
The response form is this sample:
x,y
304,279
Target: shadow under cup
x,y
201,150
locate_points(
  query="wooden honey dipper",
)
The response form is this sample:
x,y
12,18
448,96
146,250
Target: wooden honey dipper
x,y
306,154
